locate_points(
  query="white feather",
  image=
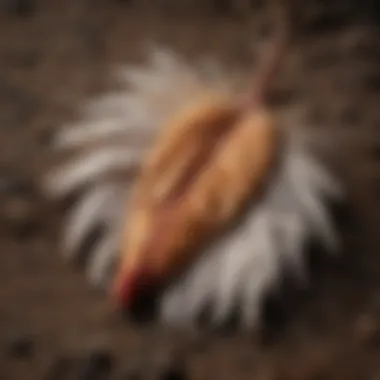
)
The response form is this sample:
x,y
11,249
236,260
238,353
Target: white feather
x,y
77,136
102,259
320,179
127,109
89,211
292,234
241,258
265,266
91,167
306,191
247,263
244,264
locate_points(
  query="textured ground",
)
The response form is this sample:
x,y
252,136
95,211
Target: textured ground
x,y
52,326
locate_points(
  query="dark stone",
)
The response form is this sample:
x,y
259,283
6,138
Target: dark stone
x,y
21,7
257,4
20,345
175,371
222,6
171,365
98,363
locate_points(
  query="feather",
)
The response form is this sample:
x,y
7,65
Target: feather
x,y
102,260
90,211
243,264
248,261
91,167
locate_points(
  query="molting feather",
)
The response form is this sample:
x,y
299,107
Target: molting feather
x,y
246,261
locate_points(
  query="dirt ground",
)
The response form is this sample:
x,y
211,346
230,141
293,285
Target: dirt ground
x,y
54,55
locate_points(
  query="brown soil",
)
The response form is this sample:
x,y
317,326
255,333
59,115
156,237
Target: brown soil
x,y
53,326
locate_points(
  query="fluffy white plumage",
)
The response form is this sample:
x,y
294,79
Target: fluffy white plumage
x,y
244,264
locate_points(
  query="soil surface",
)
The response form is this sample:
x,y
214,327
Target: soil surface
x,y
54,54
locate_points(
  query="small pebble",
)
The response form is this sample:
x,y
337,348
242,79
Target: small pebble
x,y
222,6
20,345
173,373
172,367
97,364
21,7
102,360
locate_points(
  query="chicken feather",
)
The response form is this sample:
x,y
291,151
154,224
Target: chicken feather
x,y
244,262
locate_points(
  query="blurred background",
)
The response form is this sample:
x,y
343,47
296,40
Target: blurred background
x,y
56,53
